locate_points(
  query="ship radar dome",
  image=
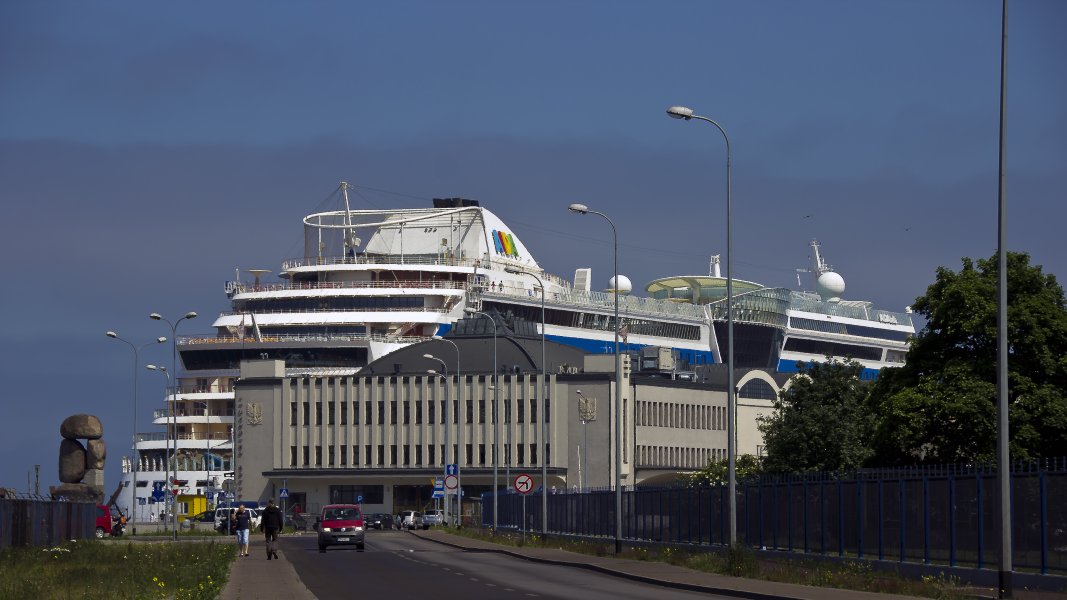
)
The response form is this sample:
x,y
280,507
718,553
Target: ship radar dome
x,y
624,287
830,286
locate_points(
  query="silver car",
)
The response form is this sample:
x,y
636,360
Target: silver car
x,y
411,519
432,518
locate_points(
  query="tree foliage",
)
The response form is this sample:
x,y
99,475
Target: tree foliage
x,y
941,405
820,421
716,472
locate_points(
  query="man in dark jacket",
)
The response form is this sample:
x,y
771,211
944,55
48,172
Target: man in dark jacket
x,y
272,523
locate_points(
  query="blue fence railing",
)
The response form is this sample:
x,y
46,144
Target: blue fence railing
x,y
950,517
43,522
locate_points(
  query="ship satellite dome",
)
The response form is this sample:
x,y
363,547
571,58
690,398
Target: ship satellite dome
x,y
624,287
830,286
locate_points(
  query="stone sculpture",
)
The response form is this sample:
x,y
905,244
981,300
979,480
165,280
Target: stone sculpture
x,y
81,467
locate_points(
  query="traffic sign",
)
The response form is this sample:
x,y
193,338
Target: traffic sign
x,y
359,499
451,482
439,483
438,494
523,484
283,493
452,469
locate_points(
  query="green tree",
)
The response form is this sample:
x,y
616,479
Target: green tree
x,y
941,405
746,466
820,421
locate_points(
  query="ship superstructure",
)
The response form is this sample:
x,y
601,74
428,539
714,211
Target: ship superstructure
x,y
373,281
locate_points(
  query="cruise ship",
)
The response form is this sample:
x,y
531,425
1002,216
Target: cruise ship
x,y
372,281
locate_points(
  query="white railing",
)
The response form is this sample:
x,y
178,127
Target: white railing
x,y
339,337
241,287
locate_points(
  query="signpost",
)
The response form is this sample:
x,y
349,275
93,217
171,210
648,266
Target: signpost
x,y
523,484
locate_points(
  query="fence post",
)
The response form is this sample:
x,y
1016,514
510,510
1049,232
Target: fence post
x,y
951,520
903,551
926,520
1043,528
981,518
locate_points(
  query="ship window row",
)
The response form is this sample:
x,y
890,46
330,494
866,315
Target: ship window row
x,y
827,348
676,415
677,457
410,412
337,303
411,455
600,322
848,329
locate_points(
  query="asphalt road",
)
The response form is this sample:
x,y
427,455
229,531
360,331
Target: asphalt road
x,y
399,566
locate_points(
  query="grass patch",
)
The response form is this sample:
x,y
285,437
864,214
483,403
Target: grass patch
x,y
743,562
91,570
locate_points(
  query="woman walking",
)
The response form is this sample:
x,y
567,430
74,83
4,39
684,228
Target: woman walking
x,y
242,523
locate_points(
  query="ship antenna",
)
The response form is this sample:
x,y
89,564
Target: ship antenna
x,y
820,264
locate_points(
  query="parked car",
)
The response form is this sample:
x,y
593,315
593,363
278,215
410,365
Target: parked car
x,y
340,524
222,518
103,521
379,521
433,517
411,519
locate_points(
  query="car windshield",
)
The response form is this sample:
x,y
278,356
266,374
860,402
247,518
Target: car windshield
x,y
340,514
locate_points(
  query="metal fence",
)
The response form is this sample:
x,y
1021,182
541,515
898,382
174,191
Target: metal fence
x,y
37,521
930,516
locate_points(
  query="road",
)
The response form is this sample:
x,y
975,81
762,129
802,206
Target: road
x,y
399,566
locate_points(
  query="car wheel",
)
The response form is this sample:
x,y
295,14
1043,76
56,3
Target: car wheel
x,y
99,533
322,549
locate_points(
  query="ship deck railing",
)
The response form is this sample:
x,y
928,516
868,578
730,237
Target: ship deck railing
x,y
162,437
161,413
192,340
430,260
242,287
629,306
375,309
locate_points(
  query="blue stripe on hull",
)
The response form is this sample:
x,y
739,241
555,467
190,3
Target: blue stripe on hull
x,y
592,346
790,366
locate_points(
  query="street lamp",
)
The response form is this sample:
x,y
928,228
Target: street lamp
x,y
461,420
582,210
544,407
174,399
444,416
174,503
496,417
685,113
136,458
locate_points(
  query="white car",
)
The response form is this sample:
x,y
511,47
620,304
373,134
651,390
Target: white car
x,y
222,515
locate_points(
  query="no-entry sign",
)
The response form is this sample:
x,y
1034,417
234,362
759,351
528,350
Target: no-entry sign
x,y
523,484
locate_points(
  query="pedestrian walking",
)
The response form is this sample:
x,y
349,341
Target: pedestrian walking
x,y
242,523
271,524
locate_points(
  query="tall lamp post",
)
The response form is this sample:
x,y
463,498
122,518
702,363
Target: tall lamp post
x,y
1004,575
461,419
496,418
444,417
582,210
685,113
544,407
174,501
174,398
136,458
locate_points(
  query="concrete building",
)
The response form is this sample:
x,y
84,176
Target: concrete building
x,y
380,434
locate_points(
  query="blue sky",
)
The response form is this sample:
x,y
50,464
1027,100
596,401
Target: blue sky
x,y
147,150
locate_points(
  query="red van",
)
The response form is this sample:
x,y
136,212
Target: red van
x,y
103,521
340,524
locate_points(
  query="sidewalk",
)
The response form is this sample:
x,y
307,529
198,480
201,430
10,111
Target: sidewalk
x,y
255,577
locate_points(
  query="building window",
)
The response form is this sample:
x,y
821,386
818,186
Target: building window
x,y
418,455
533,410
329,414
407,413
381,412
468,454
307,414
318,413
392,455
392,413
533,454
292,413
292,457
481,454
367,456
344,413
307,456
381,455
418,413
330,456
355,456
407,455
344,456
518,455
318,456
